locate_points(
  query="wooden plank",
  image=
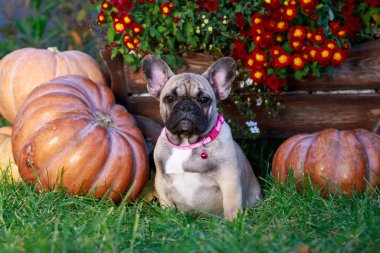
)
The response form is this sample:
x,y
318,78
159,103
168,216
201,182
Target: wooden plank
x,y
360,71
304,113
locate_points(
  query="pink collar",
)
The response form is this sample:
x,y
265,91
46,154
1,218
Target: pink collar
x,y
207,139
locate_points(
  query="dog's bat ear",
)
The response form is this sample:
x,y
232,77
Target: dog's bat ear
x,y
221,74
156,73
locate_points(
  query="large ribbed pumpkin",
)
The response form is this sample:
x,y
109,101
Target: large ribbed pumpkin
x,y
341,159
70,133
24,69
6,157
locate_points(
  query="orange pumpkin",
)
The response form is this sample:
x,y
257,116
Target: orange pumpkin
x,y
6,157
70,133
24,69
349,159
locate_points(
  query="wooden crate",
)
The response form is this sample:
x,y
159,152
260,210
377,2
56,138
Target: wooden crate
x,y
349,99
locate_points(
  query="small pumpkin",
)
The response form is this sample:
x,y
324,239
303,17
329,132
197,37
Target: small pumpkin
x,y
6,157
24,69
69,132
349,159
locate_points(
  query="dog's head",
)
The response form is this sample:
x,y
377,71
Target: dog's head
x,y
188,101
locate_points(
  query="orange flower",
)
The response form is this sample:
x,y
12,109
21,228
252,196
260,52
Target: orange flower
x,y
298,62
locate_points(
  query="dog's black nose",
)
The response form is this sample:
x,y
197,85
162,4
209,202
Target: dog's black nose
x,y
186,105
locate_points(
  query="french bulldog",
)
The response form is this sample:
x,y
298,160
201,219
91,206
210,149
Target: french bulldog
x,y
199,167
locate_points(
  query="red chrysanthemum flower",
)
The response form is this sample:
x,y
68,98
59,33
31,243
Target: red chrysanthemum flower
x,y
128,20
211,5
101,18
313,53
282,60
297,32
119,26
258,75
330,44
257,59
175,20
290,12
324,54
256,19
136,28
239,51
314,17
307,3
346,45
275,84
275,51
257,30
337,57
318,38
136,41
298,62
239,20
295,44
282,26
279,38
105,5
165,9
126,37
130,45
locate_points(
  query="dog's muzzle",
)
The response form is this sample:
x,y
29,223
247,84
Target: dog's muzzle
x,y
186,118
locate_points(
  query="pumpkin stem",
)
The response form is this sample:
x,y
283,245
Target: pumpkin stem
x,y
104,120
53,49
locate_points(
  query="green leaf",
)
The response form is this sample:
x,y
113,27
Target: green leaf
x,y
170,59
129,58
161,29
298,75
189,28
110,34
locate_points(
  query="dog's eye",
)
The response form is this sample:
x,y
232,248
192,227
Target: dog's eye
x,y
169,99
203,100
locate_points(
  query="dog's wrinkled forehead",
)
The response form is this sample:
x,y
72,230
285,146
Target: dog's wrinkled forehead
x,y
188,85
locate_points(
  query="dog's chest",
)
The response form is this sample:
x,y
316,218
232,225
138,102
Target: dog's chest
x,y
191,189
176,161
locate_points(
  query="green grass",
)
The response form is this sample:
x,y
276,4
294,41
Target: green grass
x,y
285,221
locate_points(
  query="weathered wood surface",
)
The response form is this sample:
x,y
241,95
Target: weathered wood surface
x,y
349,99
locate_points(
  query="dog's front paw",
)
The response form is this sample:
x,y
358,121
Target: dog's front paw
x,y
230,214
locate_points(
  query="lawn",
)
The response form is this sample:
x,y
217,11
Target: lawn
x,y
284,221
